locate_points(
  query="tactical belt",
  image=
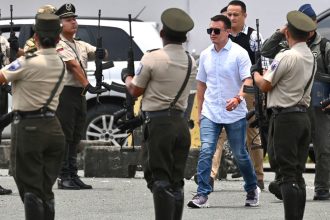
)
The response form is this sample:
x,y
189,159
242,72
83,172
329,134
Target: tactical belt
x,y
40,113
162,113
296,108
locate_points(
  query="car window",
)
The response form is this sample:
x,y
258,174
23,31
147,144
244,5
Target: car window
x,y
324,27
115,40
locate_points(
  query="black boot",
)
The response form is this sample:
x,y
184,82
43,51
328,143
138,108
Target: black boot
x,y
76,179
164,201
34,207
49,207
179,197
291,200
67,183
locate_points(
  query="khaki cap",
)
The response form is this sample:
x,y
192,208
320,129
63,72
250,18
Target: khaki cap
x,y
176,21
301,21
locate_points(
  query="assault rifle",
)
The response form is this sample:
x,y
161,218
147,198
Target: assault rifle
x,y
13,40
259,111
127,121
99,66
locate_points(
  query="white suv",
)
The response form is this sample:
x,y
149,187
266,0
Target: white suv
x,y
115,35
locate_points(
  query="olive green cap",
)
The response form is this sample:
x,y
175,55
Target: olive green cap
x,y
46,9
47,25
301,21
176,22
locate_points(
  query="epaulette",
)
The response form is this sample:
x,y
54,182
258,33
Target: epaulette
x,y
149,51
29,55
30,43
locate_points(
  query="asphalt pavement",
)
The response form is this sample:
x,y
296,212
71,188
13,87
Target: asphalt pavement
x,y
129,199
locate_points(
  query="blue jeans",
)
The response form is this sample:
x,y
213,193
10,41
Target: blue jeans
x,y
236,134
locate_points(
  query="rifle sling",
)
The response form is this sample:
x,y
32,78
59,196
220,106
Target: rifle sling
x,y
55,88
184,83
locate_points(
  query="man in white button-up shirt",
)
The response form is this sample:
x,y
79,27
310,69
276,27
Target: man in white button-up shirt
x,y
223,71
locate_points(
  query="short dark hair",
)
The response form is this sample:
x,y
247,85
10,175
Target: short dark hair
x,y
47,42
222,18
297,34
174,37
238,3
224,9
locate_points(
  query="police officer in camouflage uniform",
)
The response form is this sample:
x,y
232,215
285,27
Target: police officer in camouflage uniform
x,y
37,137
289,82
320,90
30,45
73,108
166,134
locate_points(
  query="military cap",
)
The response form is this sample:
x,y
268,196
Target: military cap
x,y
301,21
46,9
176,22
47,25
66,10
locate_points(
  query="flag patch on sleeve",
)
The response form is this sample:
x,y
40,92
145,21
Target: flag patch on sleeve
x,y
138,70
14,66
274,65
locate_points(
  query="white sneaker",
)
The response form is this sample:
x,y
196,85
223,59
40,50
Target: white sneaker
x,y
252,198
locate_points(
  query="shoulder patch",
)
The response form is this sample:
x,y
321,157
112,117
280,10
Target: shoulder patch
x,y
274,65
138,70
14,66
149,51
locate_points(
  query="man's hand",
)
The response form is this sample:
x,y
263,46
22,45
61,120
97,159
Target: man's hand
x,y
232,104
93,90
257,67
100,53
125,74
13,43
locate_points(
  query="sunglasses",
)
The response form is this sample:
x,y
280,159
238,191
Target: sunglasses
x,y
214,30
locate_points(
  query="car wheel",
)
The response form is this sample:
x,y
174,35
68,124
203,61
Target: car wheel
x,y
101,125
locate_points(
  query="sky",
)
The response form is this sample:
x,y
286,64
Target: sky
x,y
271,14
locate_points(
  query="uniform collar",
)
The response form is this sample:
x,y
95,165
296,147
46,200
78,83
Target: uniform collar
x,y
47,51
173,46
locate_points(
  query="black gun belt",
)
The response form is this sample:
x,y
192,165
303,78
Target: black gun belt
x,y
296,108
163,113
34,114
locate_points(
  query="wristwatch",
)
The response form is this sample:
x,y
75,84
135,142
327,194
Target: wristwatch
x,y
239,98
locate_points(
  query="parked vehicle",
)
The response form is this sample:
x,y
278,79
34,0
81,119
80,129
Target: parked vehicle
x,y
115,34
